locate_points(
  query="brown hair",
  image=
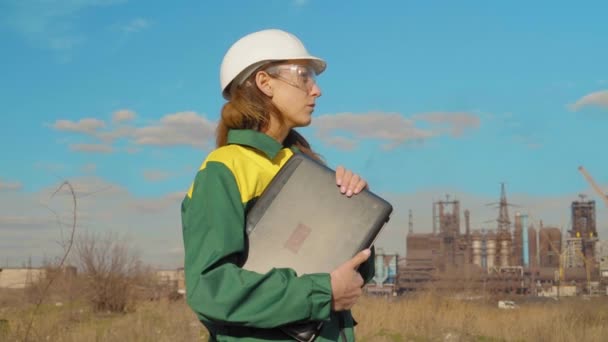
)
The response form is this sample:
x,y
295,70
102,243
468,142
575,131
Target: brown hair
x,y
250,108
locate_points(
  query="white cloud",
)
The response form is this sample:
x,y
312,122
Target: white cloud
x,y
457,123
597,99
132,150
154,205
155,175
114,134
84,186
340,142
153,223
10,186
89,168
87,125
176,196
92,148
393,129
184,128
25,222
123,115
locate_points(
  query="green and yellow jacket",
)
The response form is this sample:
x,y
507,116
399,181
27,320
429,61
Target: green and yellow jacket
x,y
235,304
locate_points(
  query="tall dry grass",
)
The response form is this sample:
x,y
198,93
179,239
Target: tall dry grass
x,y
160,320
434,317
109,300
424,317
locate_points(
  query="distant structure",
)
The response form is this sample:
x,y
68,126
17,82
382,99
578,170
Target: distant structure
x,y
603,258
172,280
504,230
19,278
451,252
584,227
410,223
512,257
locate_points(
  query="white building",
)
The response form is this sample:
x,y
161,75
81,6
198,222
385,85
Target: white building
x,y
603,257
18,278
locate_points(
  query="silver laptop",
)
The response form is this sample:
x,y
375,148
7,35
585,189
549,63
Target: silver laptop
x,y
303,222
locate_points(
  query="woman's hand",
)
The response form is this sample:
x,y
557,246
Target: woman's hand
x,y
349,182
347,283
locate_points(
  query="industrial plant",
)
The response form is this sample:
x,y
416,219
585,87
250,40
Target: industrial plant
x,y
517,255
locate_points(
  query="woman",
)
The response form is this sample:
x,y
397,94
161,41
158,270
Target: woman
x,y
268,78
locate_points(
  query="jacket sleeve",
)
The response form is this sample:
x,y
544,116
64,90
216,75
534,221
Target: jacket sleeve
x,y
213,225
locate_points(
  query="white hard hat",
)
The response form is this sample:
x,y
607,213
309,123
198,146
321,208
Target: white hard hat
x,y
257,48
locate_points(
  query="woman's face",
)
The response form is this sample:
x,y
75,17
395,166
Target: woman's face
x,y
294,91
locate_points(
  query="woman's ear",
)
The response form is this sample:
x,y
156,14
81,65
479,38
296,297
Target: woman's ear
x,y
263,82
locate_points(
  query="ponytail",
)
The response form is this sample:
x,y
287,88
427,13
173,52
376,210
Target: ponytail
x,y
296,139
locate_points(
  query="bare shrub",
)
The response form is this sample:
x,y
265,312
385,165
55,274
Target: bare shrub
x,y
111,271
55,284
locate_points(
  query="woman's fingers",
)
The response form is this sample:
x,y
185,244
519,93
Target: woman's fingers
x,y
349,182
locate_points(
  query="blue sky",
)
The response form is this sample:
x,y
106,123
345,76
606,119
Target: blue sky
x,y
418,97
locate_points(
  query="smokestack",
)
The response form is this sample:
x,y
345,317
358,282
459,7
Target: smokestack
x,y
434,219
411,223
467,223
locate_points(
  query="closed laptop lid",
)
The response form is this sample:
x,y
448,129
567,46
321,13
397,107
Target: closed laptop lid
x,y
303,222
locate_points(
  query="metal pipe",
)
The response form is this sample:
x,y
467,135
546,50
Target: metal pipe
x,y
524,235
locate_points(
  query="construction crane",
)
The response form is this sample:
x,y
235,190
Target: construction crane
x,y
594,185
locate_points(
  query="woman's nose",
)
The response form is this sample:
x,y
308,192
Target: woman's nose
x,y
316,90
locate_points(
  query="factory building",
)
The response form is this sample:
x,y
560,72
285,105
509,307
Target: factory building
x,y
513,257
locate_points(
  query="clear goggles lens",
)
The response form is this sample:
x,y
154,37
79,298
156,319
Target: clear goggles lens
x,y
300,76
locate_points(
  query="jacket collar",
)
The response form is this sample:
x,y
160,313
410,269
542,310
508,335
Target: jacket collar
x,y
258,140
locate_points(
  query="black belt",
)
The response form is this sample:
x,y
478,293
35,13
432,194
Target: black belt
x,y
301,332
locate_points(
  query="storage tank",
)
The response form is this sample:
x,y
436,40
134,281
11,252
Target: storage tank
x,y
505,252
533,246
392,268
381,271
524,235
476,245
517,243
490,250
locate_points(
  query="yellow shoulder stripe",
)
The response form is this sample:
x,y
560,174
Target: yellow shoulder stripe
x,y
251,169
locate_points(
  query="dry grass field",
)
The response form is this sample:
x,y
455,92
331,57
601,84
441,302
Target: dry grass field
x,y
431,317
426,317
160,320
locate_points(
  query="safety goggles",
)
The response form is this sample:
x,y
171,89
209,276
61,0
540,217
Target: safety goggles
x,y
297,75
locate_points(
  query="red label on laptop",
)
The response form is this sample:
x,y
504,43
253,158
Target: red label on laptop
x,y
297,238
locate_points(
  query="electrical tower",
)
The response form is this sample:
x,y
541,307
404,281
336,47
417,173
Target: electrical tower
x,y
504,224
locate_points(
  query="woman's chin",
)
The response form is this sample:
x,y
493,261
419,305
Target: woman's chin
x,y
305,123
